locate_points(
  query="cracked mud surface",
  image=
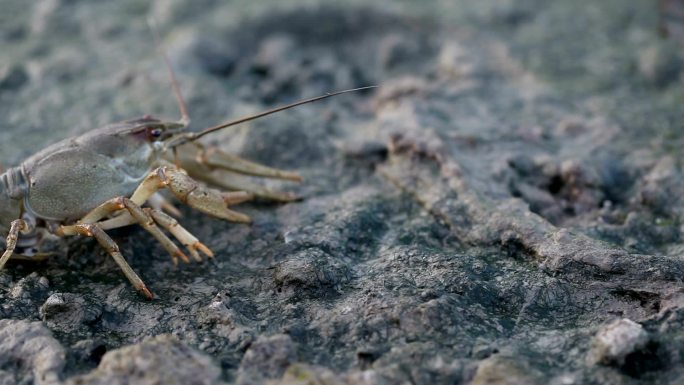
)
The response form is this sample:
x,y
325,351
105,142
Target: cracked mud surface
x,y
505,209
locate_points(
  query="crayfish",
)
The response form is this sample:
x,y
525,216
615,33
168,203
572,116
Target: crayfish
x,y
111,177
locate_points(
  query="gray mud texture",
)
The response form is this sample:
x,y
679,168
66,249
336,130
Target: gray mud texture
x,y
506,209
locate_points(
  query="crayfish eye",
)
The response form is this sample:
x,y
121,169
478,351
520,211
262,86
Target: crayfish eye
x,y
154,133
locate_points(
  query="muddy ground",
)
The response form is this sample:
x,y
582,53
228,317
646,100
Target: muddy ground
x,y
506,209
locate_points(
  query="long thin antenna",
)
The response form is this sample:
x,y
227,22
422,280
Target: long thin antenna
x,y
185,117
190,136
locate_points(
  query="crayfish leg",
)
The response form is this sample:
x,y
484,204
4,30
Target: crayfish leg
x,y
135,214
215,158
16,226
184,236
234,182
94,231
218,168
158,202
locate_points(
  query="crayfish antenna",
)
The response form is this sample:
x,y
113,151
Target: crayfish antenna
x,y
185,117
192,136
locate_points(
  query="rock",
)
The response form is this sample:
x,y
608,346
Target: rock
x,y
12,77
311,271
267,358
29,354
159,360
613,343
29,291
216,58
68,312
89,350
43,13
499,370
395,50
514,183
660,65
456,62
300,374
272,53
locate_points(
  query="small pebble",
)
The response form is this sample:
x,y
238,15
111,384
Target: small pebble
x,y
616,341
